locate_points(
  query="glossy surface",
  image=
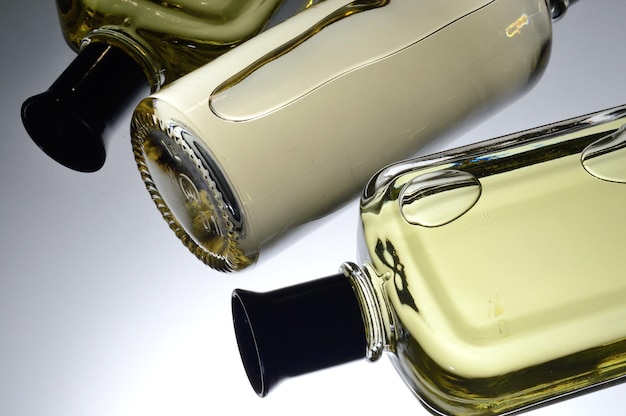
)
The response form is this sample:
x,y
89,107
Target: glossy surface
x,y
484,297
230,100
169,39
104,312
437,198
604,157
293,150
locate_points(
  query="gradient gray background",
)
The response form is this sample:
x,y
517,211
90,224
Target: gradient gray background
x,y
104,313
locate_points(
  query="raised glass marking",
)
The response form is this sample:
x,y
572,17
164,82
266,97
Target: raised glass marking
x,y
606,158
437,198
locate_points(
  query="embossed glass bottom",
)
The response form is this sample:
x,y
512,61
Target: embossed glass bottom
x,y
192,197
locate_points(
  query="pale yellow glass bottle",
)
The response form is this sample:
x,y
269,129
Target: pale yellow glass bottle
x,y
493,276
291,124
127,49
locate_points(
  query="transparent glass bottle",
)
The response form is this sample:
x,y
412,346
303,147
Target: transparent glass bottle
x,y
493,275
290,125
127,48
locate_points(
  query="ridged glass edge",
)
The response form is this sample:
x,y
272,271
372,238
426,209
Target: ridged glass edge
x,y
234,258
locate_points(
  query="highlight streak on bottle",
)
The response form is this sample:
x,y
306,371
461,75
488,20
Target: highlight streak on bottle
x,y
340,14
516,27
604,158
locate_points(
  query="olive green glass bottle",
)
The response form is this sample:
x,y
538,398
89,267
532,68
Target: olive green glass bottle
x,y
127,49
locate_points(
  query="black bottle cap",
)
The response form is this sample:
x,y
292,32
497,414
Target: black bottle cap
x,y
297,330
68,121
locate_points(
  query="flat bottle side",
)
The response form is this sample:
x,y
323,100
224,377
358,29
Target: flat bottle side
x,y
444,392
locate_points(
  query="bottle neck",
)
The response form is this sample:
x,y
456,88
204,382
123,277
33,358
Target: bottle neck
x,y
134,47
297,330
313,325
371,300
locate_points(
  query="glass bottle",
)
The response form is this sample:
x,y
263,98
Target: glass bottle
x,y
127,48
290,125
492,275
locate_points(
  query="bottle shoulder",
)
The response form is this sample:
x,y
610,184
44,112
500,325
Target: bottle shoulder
x,y
459,250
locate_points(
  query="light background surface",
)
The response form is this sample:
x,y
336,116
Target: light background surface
x,y
104,313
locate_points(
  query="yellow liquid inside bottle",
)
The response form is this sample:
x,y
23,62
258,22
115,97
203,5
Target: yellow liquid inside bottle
x,y
169,38
513,292
292,124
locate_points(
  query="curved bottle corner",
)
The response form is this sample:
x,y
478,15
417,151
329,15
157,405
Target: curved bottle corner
x,y
583,160
332,159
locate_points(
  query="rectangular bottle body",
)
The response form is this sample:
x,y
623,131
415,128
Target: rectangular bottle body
x,y
502,262
304,146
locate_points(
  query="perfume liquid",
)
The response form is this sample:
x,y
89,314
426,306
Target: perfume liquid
x,y
505,253
127,49
492,274
291,124
169,39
